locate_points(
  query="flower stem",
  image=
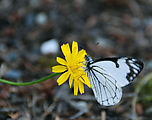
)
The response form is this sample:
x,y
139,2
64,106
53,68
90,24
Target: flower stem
x,y
29,83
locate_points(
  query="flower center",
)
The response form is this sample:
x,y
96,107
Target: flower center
x,y
75,69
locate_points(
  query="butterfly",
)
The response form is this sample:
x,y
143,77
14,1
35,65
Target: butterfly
x,y
107,77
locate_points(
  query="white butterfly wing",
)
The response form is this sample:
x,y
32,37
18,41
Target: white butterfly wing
x,y
105,88
107,76
123,70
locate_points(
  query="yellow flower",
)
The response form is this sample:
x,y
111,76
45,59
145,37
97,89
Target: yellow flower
x,y
72,67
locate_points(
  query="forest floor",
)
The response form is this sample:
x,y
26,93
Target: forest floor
x,y
103,27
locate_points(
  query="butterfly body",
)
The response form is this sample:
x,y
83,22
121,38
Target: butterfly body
x,y
108,75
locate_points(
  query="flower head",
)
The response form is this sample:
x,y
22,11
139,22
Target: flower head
x,y
72,67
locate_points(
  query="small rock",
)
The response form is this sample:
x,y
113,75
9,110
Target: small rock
x,y
13,55
50,46
3,69
29,20
82,105
13,74
149,64
3,47
6,3
41,18
52,15
35,3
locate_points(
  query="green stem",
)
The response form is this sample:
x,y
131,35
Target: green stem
x,y
29,83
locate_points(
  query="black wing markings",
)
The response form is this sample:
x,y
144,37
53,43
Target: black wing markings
x,y
135,67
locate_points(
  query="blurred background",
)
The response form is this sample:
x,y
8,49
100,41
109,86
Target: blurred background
x,y
31,32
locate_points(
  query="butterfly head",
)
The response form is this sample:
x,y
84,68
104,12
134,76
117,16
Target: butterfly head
x,y
88,59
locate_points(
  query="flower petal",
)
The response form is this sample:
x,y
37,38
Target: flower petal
x,y
81,87
61,61
82,54
76,84
63,78
87,82
70,81
66,51
59,68
82,79
74,48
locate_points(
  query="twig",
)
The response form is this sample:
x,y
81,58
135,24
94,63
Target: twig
x,y
103,115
